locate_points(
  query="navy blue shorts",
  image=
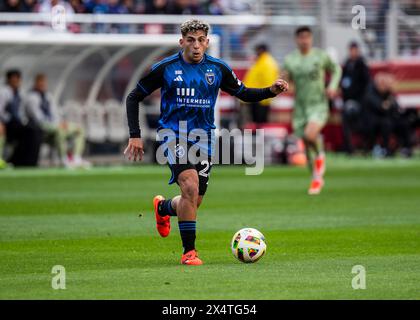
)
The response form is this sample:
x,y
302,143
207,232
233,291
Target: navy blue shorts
x,y
202,165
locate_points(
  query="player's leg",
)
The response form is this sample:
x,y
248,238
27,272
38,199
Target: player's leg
x,y
60,137
187,215
2,143
78,135
314,143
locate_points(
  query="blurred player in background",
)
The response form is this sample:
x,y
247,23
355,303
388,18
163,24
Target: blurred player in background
x,y
43,114
262,73
190,81
354,83
384,117
14,127
306,68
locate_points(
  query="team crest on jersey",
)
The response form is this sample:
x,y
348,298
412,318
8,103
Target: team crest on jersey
x,y
179,151
210,77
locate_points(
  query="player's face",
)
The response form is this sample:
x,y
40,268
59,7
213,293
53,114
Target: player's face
x,y
304,41
194,45
41,84
15,81
354,53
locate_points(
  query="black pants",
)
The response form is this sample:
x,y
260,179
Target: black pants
x,y
351,123
27,141
385,126
259,113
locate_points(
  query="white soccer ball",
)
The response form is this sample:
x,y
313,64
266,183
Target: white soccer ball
x,y
248,245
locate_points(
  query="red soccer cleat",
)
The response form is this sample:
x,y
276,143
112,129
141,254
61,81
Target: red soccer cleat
x,y
191,258
163,224
316,186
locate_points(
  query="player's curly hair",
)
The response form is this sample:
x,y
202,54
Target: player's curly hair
x,y
194,25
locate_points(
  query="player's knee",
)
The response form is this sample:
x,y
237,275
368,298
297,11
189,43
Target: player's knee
x,y
190,192
189,187
199,200
310,136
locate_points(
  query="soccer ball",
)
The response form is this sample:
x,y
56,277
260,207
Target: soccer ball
x,y
248,245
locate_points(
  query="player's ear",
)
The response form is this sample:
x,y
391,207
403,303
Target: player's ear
x,y
181,42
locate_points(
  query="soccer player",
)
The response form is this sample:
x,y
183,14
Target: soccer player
x,y
190,81
306,68
44,115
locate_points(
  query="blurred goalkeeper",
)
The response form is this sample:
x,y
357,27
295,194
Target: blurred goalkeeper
x,y
190,81
306,68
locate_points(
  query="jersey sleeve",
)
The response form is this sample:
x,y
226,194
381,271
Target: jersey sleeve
x,y
232,85
230,82
287,68
335,70
146,85
152,81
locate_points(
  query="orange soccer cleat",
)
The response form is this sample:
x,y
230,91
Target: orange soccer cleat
x,y
316,186
191,258
163,224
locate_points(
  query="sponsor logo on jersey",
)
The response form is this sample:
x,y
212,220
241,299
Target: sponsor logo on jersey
x,y
178,78
185,92
178,72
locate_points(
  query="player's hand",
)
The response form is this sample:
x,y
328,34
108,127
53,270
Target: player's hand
x,y
331,93
134,149
279,86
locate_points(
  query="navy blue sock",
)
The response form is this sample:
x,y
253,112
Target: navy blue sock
x,y
165,208
187,230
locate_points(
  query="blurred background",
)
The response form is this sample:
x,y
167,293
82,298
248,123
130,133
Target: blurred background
x,y
77,60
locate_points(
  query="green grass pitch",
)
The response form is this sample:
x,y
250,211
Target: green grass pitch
x,y
88,222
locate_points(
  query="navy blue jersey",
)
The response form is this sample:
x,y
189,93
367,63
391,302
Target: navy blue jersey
x,y
188,93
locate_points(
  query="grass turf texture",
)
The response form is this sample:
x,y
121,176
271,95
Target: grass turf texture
x,y
88,221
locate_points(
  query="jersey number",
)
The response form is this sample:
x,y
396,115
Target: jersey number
x,y
204,172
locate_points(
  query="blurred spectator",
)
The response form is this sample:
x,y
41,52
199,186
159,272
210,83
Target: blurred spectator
x,y
412,8
78,6
14,125
384,117
214,7
101,7
29,5
11,6
262,74
115,7
44,115
188,7
129,5
47,5
354,83
156,7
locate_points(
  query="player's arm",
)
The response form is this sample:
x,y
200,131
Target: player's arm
x,y
232,85
336,73
146,85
